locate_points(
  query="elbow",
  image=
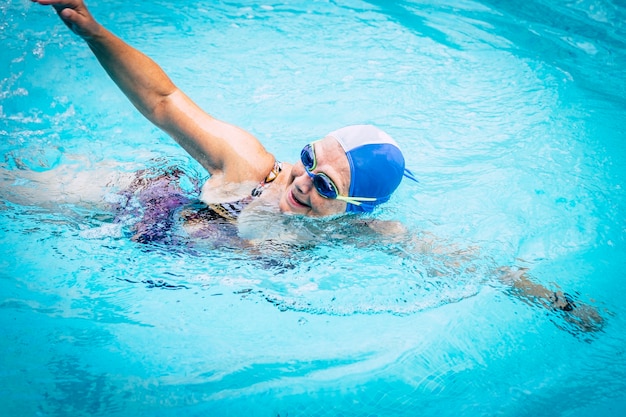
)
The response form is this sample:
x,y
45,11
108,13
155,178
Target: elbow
x,y
159,110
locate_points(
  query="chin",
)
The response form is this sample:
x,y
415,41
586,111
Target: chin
x,y
283,205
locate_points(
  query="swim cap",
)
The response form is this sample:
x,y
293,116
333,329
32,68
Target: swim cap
x,y
376,164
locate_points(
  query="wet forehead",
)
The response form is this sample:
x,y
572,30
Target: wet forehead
x,y
332,160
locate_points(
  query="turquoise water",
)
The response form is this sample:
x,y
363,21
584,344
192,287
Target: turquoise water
x,y
512,115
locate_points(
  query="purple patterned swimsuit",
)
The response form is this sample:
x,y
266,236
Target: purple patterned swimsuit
x,y
155,203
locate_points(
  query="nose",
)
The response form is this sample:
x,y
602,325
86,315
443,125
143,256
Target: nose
x,y
303,180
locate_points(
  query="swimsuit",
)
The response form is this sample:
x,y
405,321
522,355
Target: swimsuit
x,y
153,205
230,211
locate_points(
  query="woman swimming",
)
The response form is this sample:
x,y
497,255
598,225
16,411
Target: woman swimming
x,y
352,169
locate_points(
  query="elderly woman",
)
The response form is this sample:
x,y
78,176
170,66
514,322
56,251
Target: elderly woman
x,y
352,169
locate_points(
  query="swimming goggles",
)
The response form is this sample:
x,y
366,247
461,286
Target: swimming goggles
x,y
322,183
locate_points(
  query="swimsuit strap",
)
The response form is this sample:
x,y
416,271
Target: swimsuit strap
x,y
230,211
258,190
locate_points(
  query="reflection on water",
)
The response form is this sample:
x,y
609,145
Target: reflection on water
x,y
511,115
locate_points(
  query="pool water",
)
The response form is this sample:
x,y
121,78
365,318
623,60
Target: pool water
x,y
512,115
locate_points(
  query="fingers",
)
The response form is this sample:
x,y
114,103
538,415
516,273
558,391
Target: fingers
x,y
60,5
67,3
75,15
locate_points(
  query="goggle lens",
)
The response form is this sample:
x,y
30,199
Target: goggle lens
x,y
324,186
307,156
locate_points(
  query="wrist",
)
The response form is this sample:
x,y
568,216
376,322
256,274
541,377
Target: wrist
x,y
562,301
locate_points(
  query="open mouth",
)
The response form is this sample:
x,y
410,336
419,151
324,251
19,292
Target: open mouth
x,y
297,202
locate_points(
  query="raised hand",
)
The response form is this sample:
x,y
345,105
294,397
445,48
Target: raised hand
x,y
75,15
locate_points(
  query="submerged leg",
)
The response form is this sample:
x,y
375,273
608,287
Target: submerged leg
x,y
66,184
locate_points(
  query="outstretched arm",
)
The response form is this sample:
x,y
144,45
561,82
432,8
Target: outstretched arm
x,y
517,282
223,149
584,317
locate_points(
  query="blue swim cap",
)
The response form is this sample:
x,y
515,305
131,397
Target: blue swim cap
x,y
376,164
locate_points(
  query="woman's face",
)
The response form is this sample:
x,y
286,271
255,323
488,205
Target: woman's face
x,y
301,197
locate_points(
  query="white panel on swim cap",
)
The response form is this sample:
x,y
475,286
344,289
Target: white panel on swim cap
x,y
351,137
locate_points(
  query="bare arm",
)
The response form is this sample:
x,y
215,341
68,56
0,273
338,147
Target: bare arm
x,y
583,316
517,282
223,149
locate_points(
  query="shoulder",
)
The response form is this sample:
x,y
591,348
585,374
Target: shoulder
x,y
387,228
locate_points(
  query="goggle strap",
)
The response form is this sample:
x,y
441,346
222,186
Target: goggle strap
x,y
355,200
410,175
